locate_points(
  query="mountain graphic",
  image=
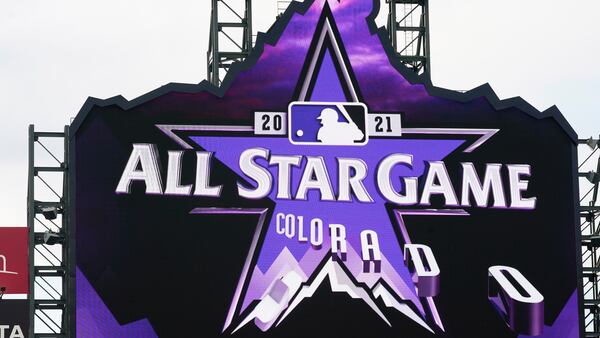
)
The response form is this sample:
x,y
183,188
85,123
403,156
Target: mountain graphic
x,y
341,281
286,294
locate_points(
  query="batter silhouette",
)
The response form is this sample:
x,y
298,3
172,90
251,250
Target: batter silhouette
x,y
334,132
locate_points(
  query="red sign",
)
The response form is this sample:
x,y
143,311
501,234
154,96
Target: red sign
x,y
14,263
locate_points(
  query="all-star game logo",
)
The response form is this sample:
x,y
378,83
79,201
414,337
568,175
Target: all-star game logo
x,y
342,179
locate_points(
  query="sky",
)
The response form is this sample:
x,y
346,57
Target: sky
x,y
56,53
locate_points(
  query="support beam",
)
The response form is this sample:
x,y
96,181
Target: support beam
x,y
408,30
589,213
230,38
48,222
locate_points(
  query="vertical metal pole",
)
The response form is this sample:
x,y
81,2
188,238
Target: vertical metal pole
x,y
209,52
31,226
427,51
248,26
216,58
68,253
393,24
592,279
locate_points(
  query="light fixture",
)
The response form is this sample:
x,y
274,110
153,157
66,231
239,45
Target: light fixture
x,y
592,143
594,241
50,213
593,177
51,238
589,217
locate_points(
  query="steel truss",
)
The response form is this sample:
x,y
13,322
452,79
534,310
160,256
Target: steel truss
x,y
408,29
47,218
230,38
589,210
407,25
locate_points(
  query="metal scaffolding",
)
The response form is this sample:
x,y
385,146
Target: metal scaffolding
x,y
230,38
589,210
408,29
48,223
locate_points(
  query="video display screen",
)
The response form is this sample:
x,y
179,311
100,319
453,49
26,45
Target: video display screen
x,y
324,190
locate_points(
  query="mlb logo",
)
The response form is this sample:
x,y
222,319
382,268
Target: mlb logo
x,y
327,123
